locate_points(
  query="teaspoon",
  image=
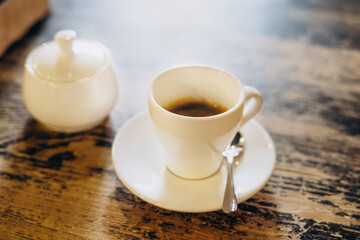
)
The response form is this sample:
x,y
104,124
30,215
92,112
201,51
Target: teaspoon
x,y
232,151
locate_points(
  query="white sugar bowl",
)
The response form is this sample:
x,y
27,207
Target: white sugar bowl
x,y
70,84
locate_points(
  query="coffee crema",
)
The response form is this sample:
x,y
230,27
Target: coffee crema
x,y
195,107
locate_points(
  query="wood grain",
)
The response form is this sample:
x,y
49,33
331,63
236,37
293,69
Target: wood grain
x,y
303,57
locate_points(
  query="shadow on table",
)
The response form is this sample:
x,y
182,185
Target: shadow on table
x,y
253,219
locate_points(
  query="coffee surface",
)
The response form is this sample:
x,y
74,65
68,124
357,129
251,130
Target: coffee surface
x,y
195,108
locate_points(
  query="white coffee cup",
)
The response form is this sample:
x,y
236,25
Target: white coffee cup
x,y
193,145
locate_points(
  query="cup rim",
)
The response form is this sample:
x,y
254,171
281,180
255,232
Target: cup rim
x,y
189,118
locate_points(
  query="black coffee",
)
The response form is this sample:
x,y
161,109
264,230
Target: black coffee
x,y
195,108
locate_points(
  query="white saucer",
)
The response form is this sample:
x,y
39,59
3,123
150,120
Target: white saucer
x,y
139,162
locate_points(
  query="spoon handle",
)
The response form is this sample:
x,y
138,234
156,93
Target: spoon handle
x,y
229,203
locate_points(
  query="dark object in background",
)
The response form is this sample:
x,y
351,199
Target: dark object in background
x,y
17,17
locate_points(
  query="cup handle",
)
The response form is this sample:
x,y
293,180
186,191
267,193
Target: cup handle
x,y
254,101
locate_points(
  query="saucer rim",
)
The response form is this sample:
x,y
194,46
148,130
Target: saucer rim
x,y
152,201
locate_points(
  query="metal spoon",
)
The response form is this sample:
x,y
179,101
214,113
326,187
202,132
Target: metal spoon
x,y
232,151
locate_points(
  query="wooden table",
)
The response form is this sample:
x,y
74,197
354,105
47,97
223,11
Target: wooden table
x,y
304,57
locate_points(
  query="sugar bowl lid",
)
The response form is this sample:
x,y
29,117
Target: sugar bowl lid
x,y
68,58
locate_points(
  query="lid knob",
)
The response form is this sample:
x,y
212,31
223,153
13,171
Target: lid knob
x,y
65,39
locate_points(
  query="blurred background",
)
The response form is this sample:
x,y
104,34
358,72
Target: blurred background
x,y
250,39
